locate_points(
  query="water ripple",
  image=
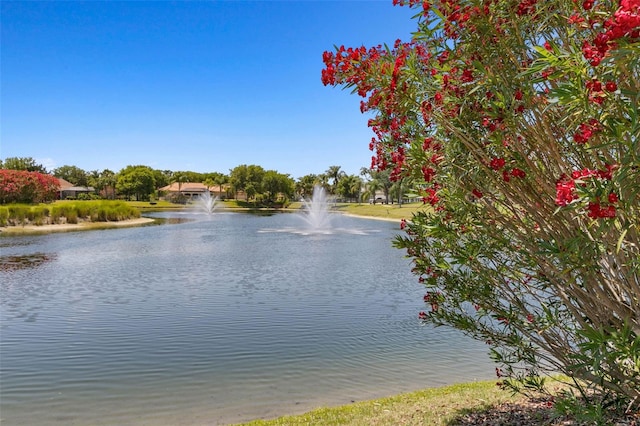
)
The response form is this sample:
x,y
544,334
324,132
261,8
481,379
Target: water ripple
x,y
214,321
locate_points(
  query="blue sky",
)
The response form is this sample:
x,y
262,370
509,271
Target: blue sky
x,y
200,86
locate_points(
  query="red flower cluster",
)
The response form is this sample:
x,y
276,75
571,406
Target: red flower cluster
x,y
18,186
588,173
596,211
526,7
518,173
624,23
497,163
515,172
566,191
431,196
586,131
428,173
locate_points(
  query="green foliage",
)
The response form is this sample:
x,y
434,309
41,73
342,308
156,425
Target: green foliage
x,y
177,198
250,180
22,163
589,409
66,212
520,125
277,186
349,187
136,181
72,174
4,216
305,185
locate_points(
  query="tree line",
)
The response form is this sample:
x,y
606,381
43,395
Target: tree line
x,y
144,183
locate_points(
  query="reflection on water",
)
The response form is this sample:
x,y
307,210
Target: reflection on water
x,y
215,321
13,263
172,220
14,241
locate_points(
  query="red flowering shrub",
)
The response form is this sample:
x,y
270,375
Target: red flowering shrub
x,y
19,186
521,120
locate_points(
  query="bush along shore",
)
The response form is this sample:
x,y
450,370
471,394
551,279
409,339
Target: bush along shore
x,y
71,212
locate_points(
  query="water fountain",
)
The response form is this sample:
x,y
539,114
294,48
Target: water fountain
x,y
316,212
207,203
318,219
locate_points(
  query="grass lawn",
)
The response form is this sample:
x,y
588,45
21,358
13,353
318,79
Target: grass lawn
x,y
383,211
435,406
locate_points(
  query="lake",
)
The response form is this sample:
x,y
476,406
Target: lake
x,y
218,319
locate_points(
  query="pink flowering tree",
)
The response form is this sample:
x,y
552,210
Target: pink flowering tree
x,y
520,121
20,186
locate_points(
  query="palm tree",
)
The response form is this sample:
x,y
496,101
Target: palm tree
x,y
220,179
305,185
179,177
379,180
349,187
335,174
371,188
108,180
208,182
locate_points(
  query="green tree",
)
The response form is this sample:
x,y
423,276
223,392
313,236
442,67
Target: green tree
x,y
136,181
520,120
401,187
208,182
92,178
220,179
380,180
238,179
251,191
305,185
162,178
274,183
371,185
22,163
106,183
72,174
179,178
247,178
194,176
349,187
334,174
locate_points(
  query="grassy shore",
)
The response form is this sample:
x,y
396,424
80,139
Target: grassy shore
x,y
393,212
381,211
449,405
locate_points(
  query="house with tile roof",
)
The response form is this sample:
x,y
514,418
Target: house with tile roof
x,y
192,190
67,190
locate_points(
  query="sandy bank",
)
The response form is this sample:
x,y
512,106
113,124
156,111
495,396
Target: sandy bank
x,y
387,219
66,227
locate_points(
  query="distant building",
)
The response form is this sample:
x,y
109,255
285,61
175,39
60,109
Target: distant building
x,y
193,190
69,191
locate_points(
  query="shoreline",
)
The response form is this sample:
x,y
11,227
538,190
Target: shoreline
x,y
360,216
70,227
141,221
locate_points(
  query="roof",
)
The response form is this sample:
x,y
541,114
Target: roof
x,y
64,185
186,187
79,189
68,186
